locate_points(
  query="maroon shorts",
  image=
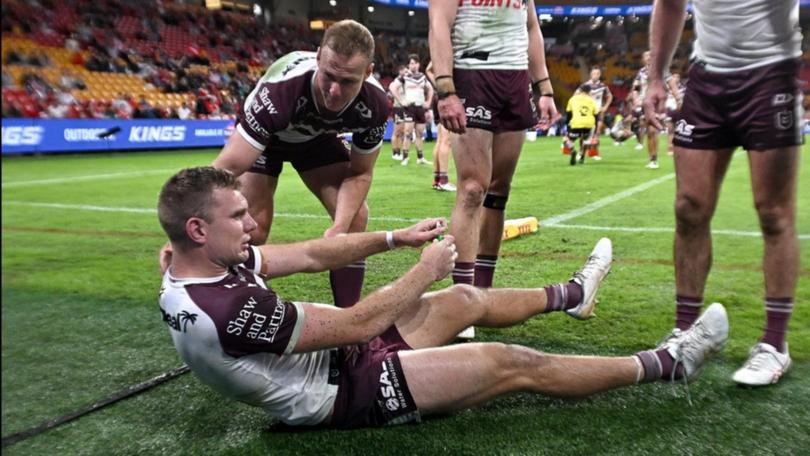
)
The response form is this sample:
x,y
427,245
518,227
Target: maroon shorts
x,y
415,114
399,115
496,100
303,157
757,109
372,390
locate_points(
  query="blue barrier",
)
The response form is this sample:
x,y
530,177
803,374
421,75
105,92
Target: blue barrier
x,y
25,136
22,136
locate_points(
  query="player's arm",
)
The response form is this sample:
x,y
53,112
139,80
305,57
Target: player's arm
x,y
541,82
672,87
666,25
329,326
323,254
442,14
607,100
428,94
353,190
237,156
395,88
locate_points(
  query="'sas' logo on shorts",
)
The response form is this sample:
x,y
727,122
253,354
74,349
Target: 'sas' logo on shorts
x,y
478,112
683,128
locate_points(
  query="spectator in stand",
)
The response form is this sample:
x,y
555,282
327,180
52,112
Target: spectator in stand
x,y
183,112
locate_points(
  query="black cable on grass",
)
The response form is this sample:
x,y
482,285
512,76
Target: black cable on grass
x,y
123,394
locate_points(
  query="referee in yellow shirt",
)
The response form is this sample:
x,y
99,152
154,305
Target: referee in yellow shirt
x,y
582,112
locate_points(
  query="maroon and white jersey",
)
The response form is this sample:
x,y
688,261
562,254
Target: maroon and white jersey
x,y
237,336
599,91
491,35
414,86
281,109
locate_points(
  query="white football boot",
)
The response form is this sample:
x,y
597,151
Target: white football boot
x,y
765,366
692,347
590,276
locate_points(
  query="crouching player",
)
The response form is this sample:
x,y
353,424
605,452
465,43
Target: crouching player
x,y
380,361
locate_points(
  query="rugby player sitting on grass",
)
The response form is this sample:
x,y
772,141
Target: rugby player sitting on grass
x,y
382,360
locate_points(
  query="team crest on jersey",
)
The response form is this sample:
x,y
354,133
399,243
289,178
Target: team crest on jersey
x,y
364,110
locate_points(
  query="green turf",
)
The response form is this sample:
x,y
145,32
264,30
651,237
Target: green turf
x,y
80,318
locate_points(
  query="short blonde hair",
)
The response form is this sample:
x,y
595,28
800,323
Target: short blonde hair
x,y
349,37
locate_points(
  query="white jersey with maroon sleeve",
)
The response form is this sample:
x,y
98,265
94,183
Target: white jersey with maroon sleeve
x,y
736,35
599,91
413,87
281,109
491,35
237,336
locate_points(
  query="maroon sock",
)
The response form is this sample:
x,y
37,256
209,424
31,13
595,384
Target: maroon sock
x,y
464,272
419,154
443,178
396,152
404,154
347,283
658,365
562,296
777,313
485,270
437,178
687,310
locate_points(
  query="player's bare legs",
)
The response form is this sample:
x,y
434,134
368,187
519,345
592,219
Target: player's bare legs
x,y
699,174
259,189
472,153
396,140
456,377
652,146
773,179
419,143
324,183
441,160
506,148
407,134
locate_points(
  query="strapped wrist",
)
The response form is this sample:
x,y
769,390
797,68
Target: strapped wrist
x,y
389,239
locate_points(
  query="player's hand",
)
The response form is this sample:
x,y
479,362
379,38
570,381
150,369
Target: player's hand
x,y
165,257
439,258
451,113
418,234
546,113
655,102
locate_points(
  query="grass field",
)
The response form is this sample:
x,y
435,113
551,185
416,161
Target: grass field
x,y
80,318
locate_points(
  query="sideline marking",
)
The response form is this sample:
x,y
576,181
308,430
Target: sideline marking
x,y
598,204
60,180
139,210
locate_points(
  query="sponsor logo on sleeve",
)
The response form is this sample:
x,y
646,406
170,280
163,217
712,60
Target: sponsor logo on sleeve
x,y
180,321
365,111
254,124
255,325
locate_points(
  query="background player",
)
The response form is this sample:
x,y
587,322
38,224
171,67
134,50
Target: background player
x,y
603,97
414,93
582,113
398,135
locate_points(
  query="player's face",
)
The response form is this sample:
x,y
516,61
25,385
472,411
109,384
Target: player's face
x,y
645,57
339,78
413,66
402,71
596,74
227,239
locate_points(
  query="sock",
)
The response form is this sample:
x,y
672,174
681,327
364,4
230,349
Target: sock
x,y
347,283
404,154
657,365
396,152
443,179
419,154
777,312
654,158
687,310
437,178
464,272
562,296
484,270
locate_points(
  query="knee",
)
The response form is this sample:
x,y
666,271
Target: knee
x,y
515,360
774,220
472,193
691,212
472,301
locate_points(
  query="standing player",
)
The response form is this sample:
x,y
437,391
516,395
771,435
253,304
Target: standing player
x,y
399,116
646,124
486,57
743,91
582,113
294,115
441,150
603,97
673,105
414,93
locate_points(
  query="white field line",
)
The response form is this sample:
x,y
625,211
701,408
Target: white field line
x,y
62,180
87,207
598,204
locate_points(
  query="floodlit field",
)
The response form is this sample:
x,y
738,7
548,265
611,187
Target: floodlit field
x,y
80,317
